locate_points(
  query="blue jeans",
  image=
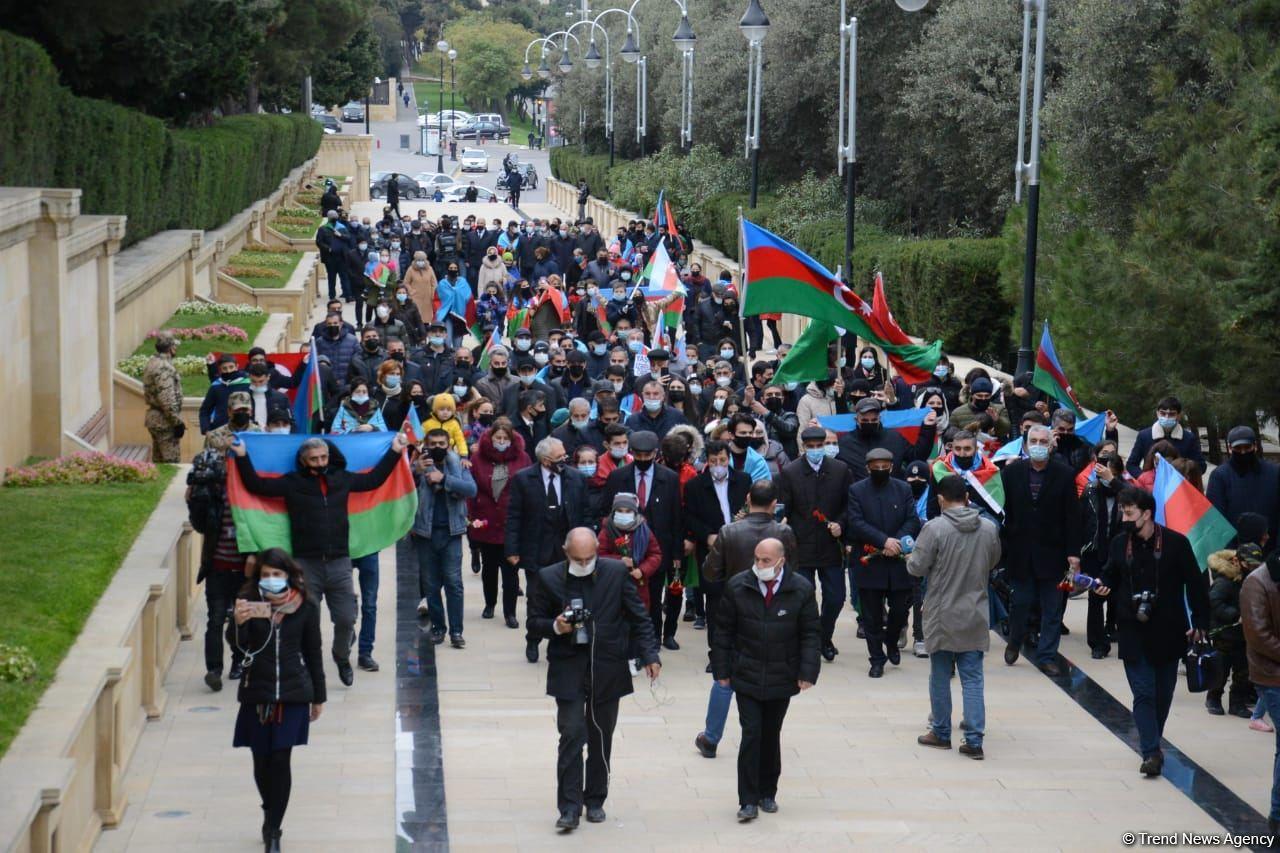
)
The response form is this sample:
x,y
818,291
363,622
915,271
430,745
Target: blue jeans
x,y
367,567
969,665
717,711
1152,686
440,567
1025,592
1270,697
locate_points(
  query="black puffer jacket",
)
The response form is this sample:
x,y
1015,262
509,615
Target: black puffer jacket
x,y
318,518
766,651
290,666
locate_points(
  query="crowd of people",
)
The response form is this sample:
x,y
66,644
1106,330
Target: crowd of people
x,y
666,463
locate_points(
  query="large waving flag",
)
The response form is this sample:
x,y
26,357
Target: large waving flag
x,y
517,319
663,220
662,281
905,422
985,480
1181,507
914,363
808,360
308,400
377,518
1048,375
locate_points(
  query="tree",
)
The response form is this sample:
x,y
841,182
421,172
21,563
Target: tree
x,y
490,56
347,74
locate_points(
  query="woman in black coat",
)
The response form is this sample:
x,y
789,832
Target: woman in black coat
x,y
282,691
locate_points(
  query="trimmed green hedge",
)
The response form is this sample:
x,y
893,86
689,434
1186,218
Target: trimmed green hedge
x,y
569,166
130,163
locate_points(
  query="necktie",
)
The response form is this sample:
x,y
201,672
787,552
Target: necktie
x,y
553,499
641,492
769,587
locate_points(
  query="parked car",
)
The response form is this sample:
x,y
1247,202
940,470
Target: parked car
x,y
474,160
409,188
431,119
429,181
492,118
459,191
329,123
353,111
484,130
318,110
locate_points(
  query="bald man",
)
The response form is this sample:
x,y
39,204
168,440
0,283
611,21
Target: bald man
x,y
589,610
771,601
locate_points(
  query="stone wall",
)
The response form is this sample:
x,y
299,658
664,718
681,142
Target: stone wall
x,y
347,154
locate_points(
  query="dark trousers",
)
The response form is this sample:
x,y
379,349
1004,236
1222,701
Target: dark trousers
x,y
772,325
1101,622
760,755
657,588
220,590
917,609
367,571
493,565
582,723
274,778
530,588
333,269
394,204
755,332
1027,592
1232,649
880,632
831,578
1152,686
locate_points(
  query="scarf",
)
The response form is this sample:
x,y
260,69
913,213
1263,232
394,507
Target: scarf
x,y
283,604
629,543
499,479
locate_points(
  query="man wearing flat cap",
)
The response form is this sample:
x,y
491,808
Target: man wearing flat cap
x,y
871,434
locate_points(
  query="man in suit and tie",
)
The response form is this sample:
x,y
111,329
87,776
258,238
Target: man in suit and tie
x,y
547,501
657,489
1041,537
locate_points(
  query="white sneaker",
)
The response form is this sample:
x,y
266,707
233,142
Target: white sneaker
x,y
422,607
919,649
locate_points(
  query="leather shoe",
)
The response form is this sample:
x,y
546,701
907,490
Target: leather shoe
x,y
1241,711
1099,654
1050,668
1214,706
367,663
531,652
704,746
828,653
487,613
930,738
595,814
345,673
877,670
862,632
670,643
974,752
769,805
894,654
1011,652
747,813
237,672
1152,765
213,680
513,622
568,821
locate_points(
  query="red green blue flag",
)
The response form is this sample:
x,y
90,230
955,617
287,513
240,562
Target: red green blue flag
x,y
377,518
308,401
1182,508
663,219
661,281
905,422
913,362
1050,378
985,480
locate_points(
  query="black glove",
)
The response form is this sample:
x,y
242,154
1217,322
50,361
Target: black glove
x,y
179,430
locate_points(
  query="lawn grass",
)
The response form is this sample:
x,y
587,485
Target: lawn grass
x,y
281,263
51,593
198,384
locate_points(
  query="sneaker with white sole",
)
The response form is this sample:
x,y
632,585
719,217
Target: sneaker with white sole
x,y
919,649
422,607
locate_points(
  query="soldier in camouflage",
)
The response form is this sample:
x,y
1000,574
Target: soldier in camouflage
x,y
240,419
162,389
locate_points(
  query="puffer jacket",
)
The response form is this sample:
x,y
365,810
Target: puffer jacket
x,y
1260,615
1224,595
765,650
288,665
735,548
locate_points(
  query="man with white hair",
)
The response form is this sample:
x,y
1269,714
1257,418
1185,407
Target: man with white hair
x,y
580,429
547,501
590,612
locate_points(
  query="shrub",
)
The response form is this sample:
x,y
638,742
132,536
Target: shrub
x,y
80,468
187,365
196,306
570,166
16,663
204,333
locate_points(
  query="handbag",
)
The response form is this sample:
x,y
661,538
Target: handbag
x,y
1206,670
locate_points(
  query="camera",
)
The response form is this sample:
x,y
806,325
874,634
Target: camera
x,y
1142,603
576,614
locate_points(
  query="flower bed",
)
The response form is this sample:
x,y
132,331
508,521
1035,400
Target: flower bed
x,y
263,269
217,309
79,469
195,316
188,365
204,333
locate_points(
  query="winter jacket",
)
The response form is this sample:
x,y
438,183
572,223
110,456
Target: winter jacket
x,y
877,513
392,328
364,365
1260,615
490,510
491,312
649,563
492,271
318,524
813,405
734,550
1186,442
421,284
661,425
956,552
339,353
805,492
765,650
854,447
457,441
1224,595
290,665
494,388
965,415
1040,534
410,315
709,321
1234,492
454,297
348,419
456,488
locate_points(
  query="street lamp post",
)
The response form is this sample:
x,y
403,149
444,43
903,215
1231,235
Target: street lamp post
x,y
453,93
684,40
847,145
443,47
376,81
754,26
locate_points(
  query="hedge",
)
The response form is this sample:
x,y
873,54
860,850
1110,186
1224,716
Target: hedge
x,y
570,166
126,162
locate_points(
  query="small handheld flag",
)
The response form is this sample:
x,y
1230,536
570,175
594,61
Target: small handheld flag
x,y
308,401
1049,376
1181,507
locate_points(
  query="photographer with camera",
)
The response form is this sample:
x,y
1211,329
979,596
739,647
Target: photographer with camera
x,y
1153,577
588,607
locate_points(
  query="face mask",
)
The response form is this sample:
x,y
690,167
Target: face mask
x,y
600,349
436,340
1167,424
1038,452
240,420
402,297
625,520
587,469
556,467
359,399
635,346
385,259
1243,461
652,405
963,463
581,424
582,570
592,290
1128,527
718,404
719,473
392,380
334,332
724,381
527,378
422,265
841,361
498,372
459,391
719,300
879,476
273,586
941,371
618,452
501,446
726,354
773,404
523,344
868,430
363,246
917,488
765,573
791,386
980,405
452,276
280,430
742,442
371,345
695,389
438,454
626,276
620,295
540,359
676,396
617,386
643,465
395,246
815,455
868,363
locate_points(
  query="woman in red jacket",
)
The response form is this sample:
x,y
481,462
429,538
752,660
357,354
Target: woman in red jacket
x,y
498,456
624,535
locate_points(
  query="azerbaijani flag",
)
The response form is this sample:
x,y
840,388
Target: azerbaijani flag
x,y
307,401
663,220
1048,375
284,363
1091,430
809,359
985,480
495,340
415,432
1182,508
662,281
905,422
377,518
558,300
913,362
517,319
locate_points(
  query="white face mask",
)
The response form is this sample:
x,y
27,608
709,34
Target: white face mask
x,y
501,446
618,452
523,344
765,574
724,381
540,358
459,391
831,450
383,311
582,570
280,430
617,387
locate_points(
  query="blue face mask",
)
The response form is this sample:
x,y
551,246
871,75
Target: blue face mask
x,y
635,346
273,586
1167,424
588,470
815,455
1038,452
868,363
831,450
392,380
600,349
652,405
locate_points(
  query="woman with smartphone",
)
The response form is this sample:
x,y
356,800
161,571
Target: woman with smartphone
x,y
282,691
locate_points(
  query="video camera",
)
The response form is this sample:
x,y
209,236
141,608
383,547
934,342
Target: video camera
x,y
576,614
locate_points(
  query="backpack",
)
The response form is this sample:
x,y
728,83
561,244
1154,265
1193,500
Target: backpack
x,y
207,480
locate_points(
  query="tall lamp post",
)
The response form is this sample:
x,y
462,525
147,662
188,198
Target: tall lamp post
x,y
443,47
847,145
1025,170
630,52
376,81
593,59
754,26
453,93
685,41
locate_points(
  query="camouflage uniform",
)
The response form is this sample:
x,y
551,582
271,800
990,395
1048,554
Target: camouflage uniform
x,y
224,436
162,389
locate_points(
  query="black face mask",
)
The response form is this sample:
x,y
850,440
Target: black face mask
x,y
556,467
643,465
1246,461
980,405
555,372
397,356
334,332
869,431
742,442
918,487
485,420
576,371
773,404
438,454
498,372
318,470
371,345
239,420
676,396
1128,527
879,476
963,463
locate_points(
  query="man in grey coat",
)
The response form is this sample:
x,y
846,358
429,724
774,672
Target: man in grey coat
x,y
955,554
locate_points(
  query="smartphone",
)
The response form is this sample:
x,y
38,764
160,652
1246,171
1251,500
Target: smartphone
x,y
779,512
258,609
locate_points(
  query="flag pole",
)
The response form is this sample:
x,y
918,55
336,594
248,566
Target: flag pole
x,y
742,289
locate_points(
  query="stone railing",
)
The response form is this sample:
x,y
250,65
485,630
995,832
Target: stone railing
x,y
61,781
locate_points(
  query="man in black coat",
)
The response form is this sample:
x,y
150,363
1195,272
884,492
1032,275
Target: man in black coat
x,y
871,434
815,491
658,490
587,670
1042,534
547,501
1153,576
882,515
766,647
316,497
711,500
711,323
